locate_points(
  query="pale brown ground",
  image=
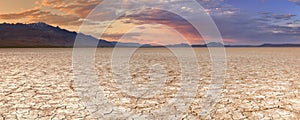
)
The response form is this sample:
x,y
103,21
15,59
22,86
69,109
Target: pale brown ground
x,y
261,83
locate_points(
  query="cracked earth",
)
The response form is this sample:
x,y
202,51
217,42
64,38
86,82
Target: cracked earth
x,y
261,83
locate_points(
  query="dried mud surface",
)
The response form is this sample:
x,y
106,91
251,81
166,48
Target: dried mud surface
x,y
261,83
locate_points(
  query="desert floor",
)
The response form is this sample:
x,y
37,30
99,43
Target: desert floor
x,y
261,83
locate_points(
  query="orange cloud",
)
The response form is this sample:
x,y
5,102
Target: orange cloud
x,y
81,8
37,15
152,17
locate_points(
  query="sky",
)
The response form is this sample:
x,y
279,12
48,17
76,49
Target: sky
x,y
239,21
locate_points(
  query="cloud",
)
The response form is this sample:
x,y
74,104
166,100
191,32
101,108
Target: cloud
x,y
72,12
37,15
117,36
81,8
269,15
243,28
156,16
211,4
283,16
297,2
20,15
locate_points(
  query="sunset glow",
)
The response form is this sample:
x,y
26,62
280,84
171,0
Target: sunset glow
x,y
238,21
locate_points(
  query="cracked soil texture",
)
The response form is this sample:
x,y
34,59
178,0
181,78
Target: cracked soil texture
x,y
261,83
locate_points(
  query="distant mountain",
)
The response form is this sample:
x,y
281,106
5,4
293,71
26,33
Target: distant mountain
x,y
266,45
179,45
210,44
44,35
279,45
262,45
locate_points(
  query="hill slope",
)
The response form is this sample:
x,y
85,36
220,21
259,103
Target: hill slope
x,y
40,35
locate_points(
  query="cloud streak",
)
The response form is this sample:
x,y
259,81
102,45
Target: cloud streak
x,y
80,8
37,15
297,2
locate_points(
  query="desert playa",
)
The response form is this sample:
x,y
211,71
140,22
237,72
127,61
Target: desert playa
x,y
261,83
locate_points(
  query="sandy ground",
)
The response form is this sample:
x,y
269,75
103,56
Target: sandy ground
x,y
261,83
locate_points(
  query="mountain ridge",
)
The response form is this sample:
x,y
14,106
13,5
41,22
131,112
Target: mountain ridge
x,y
43,35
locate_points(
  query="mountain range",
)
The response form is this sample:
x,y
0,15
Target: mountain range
x,y
43,35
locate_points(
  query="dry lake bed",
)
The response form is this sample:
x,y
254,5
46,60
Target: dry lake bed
x,y
260,83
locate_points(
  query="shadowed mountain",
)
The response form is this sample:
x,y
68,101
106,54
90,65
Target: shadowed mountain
x,y
280,45
44,35
215,44
266,45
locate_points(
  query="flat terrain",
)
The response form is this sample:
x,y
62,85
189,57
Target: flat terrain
x,y
261,83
